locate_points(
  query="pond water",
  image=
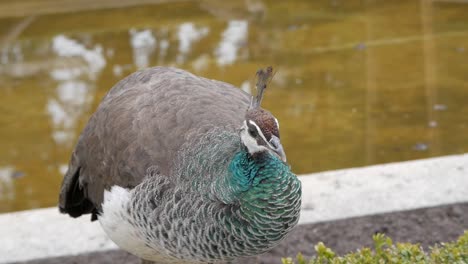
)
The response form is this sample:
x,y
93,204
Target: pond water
x,y
357,82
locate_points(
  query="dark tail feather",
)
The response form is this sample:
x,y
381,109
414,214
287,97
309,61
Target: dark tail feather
x,y
72,198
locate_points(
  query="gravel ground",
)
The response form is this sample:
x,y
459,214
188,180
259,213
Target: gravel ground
x,y
425,226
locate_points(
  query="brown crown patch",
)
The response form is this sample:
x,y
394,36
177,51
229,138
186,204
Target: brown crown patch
x,y
265,121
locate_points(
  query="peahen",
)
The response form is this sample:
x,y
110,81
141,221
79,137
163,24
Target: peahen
x,y
183,169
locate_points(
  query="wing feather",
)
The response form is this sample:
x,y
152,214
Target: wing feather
x,y
142,122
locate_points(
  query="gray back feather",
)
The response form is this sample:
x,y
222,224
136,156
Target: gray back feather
x,y
144,121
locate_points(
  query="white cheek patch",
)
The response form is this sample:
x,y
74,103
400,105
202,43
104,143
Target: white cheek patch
x,y
249,141
259,131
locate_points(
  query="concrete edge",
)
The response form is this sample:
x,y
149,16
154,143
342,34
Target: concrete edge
x,y
333,195
384,188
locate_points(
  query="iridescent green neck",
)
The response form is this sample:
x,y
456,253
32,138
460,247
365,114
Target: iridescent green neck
x,y
249,174
264,195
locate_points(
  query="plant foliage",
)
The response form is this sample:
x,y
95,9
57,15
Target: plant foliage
x,y
387,252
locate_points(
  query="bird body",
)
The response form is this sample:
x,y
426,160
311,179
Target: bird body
x,y
177,169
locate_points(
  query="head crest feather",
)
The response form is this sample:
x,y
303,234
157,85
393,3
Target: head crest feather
x,y
264,77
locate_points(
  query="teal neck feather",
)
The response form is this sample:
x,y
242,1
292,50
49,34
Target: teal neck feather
x,y
268,196
246,172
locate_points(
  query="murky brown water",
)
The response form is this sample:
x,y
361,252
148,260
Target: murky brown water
x,y
357,83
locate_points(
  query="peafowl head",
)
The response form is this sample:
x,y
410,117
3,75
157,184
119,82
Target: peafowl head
x,y
260,129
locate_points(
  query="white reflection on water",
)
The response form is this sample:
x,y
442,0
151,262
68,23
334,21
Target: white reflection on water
x,y
7,190
201,63
17,53
245,86
188,34
118,69
163,46
75,86
233,38
143,44
11,54
63,169
66,47
73,97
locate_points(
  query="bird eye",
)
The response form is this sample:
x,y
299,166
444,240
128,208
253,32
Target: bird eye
x,y
253,132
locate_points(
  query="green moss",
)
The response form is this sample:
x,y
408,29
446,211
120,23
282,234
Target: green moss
x,y
385,251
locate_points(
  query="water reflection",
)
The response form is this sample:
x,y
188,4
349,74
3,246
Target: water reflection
x,y
7,191
143,45
233,38
65,47
163,45
353,87
246,87
75,87
67,108
187,35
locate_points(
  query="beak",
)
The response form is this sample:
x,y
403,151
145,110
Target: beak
x,y
278,148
